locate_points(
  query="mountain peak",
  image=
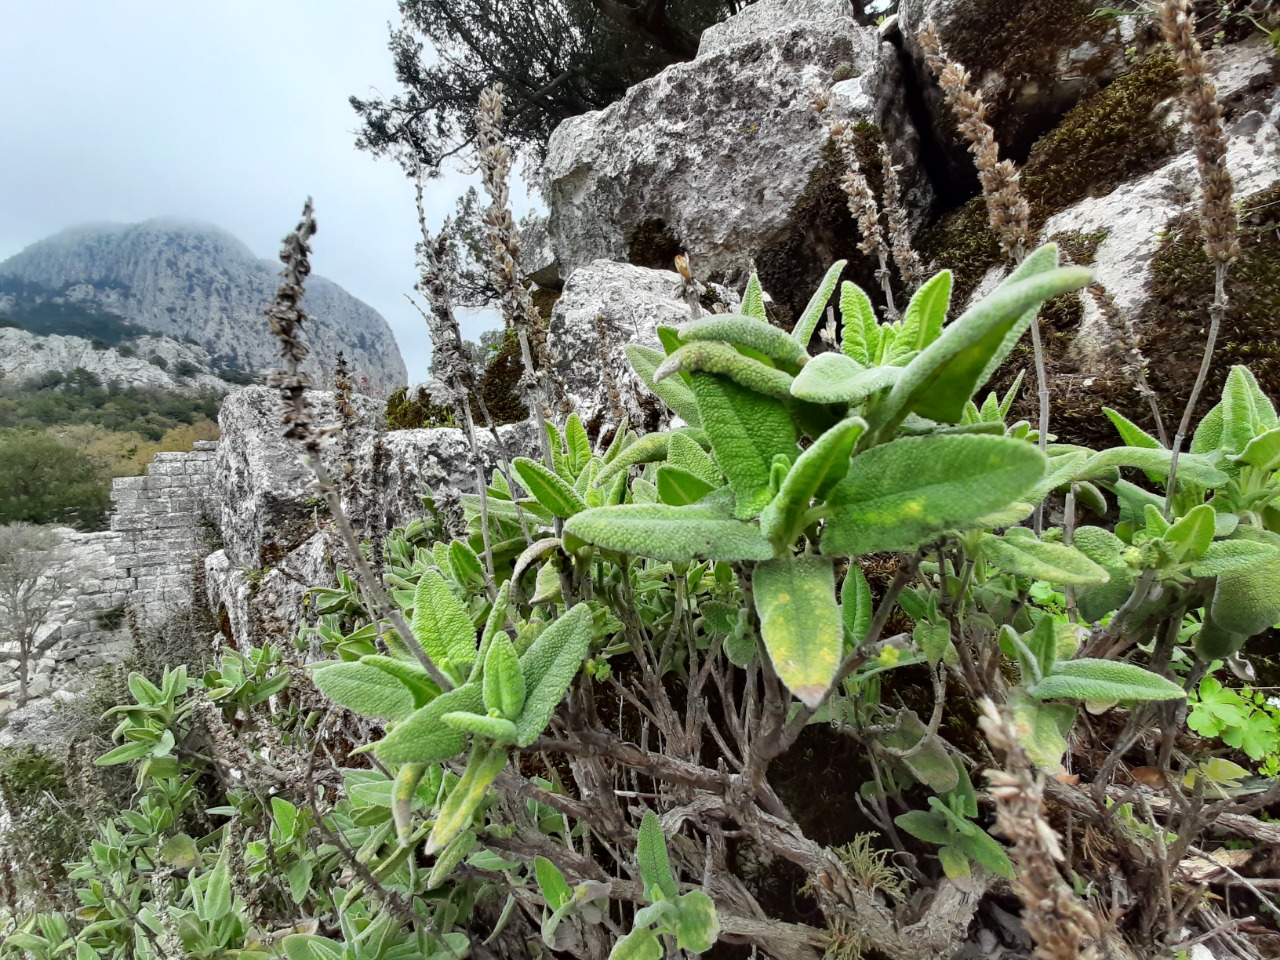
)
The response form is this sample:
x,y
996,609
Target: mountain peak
x,y
193,280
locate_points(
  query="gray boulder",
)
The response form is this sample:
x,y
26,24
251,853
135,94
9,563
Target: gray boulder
x,y
722,157
624,304
269,505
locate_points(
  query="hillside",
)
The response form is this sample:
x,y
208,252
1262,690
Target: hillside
x,y
186,281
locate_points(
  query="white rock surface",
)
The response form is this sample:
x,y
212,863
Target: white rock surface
x,y
631,303
184,279
24,355
1136,213
720,149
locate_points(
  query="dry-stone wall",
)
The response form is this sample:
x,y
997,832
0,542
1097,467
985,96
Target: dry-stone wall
x,y
166,519
136,574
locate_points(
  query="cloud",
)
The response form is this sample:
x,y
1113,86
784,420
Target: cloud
x,y
231,112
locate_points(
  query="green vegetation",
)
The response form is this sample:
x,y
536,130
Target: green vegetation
x,y
80,398
74,320
705,613
44,481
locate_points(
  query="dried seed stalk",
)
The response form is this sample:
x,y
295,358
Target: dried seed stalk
x,y
1218,220
1062,927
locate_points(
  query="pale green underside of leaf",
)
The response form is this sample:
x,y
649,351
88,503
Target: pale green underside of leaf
x,y
835,378
677,534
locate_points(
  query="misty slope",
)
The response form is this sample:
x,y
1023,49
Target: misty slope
x,y
191,280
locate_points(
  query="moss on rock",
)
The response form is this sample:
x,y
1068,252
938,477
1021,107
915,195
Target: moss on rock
x,y
823,231
653,244
1181,289
1117,134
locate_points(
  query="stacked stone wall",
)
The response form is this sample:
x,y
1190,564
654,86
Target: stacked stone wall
x,y
136,574
167,520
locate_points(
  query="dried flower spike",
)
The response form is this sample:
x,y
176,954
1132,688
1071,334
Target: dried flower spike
x,y
1007,209
1217,213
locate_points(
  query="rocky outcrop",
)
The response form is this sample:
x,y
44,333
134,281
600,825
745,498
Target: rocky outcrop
x,y
156,363
618,304
196,281
268,501
723,158
1032,59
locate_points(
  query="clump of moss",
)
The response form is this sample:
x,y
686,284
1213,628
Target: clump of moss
x,y
1181,290
1079,248
1024,47
410,410
498,383
963,243
1116,134
653,244
544,300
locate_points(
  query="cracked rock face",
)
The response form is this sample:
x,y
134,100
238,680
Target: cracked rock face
x,y
195,280
624,304
716,156
1033,60
24,355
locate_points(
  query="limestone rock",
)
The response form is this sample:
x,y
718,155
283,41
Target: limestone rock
x,y
24,355
627,304
537,256
181,279
268,500
719,157
1032,59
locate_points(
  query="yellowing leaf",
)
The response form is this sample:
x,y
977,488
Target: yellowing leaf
x,y
902,492
800,623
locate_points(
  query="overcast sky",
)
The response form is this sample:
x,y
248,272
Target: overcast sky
x,y
230,111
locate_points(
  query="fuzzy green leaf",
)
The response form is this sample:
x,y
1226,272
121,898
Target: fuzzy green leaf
x,y
926,826
714,356
746,431
1028,556
800,623
926,313
1262,451
1191,536
548,488
1132,434
695,924
860,334
498,729
550,664
900,493
835,378
1246,601
1042,728
687,455
651,857
741,331
441,623
364,689
679,487
855,604
503,684
753,298
1104,681
816,470
1228,555
1192,468
423,737
674,393
647,449
467,795
551,883
811,316
939,382
678,534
